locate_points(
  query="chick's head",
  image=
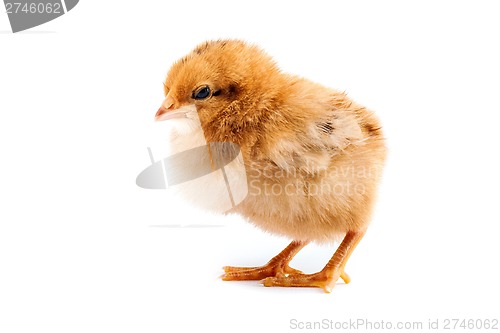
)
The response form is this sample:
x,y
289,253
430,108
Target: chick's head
x,y
218,87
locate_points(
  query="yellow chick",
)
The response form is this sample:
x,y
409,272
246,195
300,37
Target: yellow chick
x,y
313,157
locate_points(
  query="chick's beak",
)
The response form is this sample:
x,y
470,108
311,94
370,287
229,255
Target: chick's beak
x,y
168,110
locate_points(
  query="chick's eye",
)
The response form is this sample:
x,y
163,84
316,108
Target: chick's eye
x,y
201,93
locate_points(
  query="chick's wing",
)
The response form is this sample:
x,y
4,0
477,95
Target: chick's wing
x,y
314,139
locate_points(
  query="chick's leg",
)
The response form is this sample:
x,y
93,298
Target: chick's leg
x,y
328,276
277,266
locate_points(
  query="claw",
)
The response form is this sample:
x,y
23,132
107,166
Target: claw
x,y
345,277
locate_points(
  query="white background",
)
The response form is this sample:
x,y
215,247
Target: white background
x,y
83,249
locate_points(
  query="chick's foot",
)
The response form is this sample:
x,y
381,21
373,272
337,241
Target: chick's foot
x,y
257,273
277,266
328,276
324,280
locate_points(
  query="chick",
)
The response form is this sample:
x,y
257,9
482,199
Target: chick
x,y
313,157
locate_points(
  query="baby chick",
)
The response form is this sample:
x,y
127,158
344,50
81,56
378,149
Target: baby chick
x,y
313,157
